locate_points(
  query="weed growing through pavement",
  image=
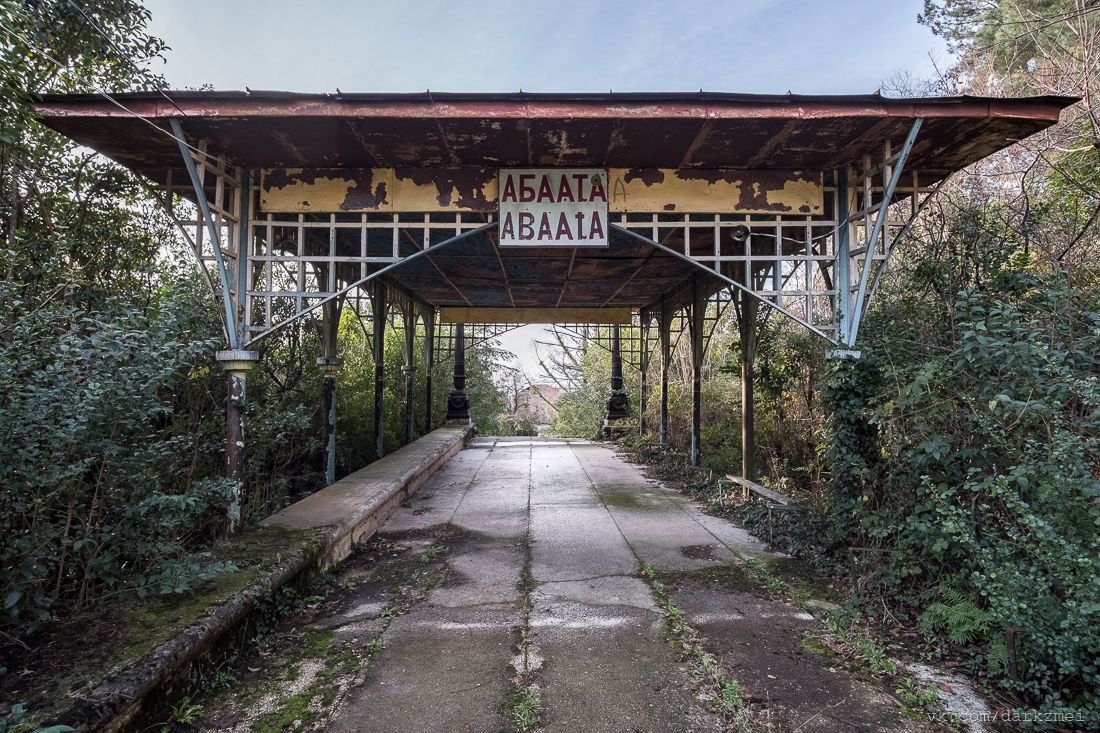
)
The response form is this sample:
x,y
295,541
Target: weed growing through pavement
x,y
874,654
522,707
852,642
753,565
432,552
526,710
715,682
915,697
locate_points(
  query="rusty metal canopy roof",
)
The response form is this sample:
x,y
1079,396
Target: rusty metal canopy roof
x,y
473,271
643,130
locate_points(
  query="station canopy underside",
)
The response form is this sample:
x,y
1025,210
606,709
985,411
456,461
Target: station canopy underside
x,y
473,272
782,144
646,130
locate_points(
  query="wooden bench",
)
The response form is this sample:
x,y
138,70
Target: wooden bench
x,y
776,500
748,486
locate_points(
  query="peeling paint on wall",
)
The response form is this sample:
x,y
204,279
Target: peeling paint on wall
x,y
298,190
688,191
702,191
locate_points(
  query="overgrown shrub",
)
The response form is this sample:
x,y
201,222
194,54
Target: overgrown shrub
x,y
97,492
972,457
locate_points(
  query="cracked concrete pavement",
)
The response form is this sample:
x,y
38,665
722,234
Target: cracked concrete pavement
x,y
544,593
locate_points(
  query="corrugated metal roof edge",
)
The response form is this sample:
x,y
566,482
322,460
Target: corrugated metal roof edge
x,y
590,97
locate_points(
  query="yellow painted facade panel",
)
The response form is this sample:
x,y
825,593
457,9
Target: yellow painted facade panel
x,y
716,192
296,190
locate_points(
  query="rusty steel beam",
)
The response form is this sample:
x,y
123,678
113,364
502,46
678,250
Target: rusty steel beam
x,y
215,237
707,105
880,220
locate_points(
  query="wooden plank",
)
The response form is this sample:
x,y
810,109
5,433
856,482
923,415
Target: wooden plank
x,y
767,493
535,315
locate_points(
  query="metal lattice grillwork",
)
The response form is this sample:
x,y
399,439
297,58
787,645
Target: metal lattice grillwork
x,y
297,260
813,269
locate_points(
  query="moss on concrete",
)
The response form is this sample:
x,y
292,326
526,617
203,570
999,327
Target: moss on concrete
x,y
813,644
803,580
134,627
730,575
624,499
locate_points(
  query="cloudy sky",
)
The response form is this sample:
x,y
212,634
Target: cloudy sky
x,y
754,46
761,46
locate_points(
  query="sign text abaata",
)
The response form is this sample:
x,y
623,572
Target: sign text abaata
x,y
553,207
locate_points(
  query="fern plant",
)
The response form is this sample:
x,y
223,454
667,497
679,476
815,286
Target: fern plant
x,y
963,622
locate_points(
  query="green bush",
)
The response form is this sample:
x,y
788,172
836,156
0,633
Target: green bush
x,y
972,456
95,492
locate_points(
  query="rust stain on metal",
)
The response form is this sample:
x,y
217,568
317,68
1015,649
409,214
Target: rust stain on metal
x,y
361,196
648,176
462,189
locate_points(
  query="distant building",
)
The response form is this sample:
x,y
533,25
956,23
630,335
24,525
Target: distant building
x,y
537,402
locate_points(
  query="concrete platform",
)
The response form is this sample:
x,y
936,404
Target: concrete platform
x,y
354,507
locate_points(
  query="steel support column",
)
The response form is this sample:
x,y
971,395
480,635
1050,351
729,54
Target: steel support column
x,y
379,304
698,313
408,315
429,364
843,276
643,359
458,403
618,404
749,332
330,365
237,364
664,329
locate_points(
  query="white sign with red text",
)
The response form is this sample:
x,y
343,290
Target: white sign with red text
x,y
553,207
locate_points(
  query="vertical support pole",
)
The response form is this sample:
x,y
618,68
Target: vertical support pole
x,y
698,314
458,403
429,363
664,333
750,337
843,243
618,404
330,366
244,236
616,359
379,304
643,359
330,424
237,365
409,317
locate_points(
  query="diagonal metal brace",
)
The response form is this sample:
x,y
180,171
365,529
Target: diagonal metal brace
x,y
880,221
215,240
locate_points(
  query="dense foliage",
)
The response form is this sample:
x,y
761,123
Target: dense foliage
x,y
112,409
